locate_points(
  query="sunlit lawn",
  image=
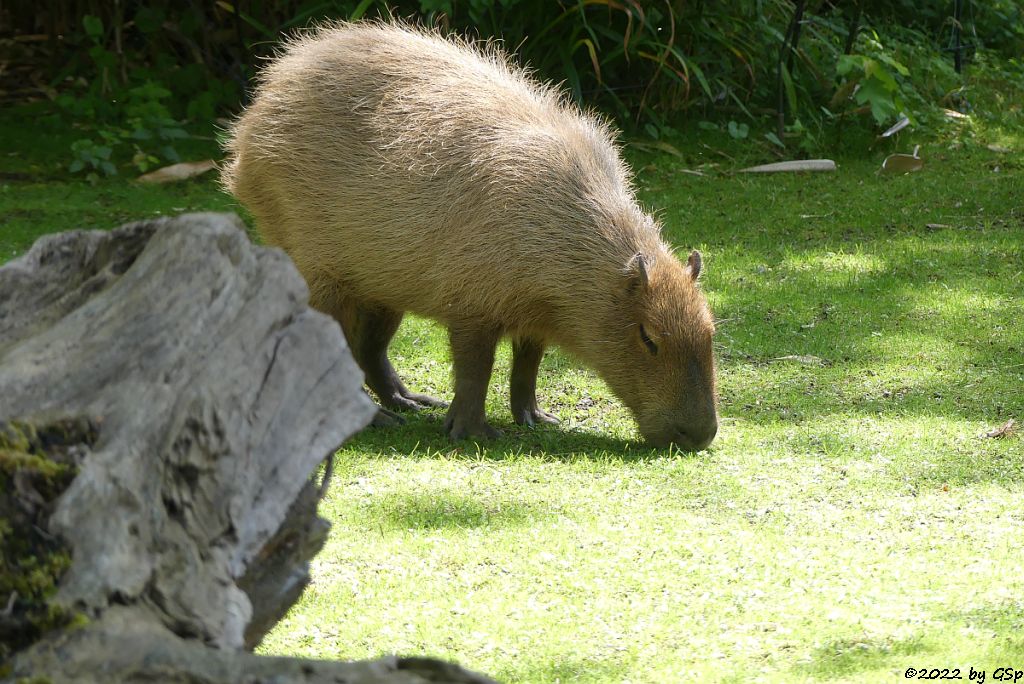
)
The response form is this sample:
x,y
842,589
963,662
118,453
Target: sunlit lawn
x,y
851,520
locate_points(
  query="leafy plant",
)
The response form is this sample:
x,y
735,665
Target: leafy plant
x,y
649,63
130,118
738,131
91,157
873,84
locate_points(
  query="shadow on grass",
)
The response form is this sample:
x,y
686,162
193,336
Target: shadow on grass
x,y
854,655
850,272
996,616
1002,630
569,671
423,435
446,510
932,306
992,632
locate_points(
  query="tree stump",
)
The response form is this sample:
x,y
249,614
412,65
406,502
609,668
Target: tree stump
x,y
166,399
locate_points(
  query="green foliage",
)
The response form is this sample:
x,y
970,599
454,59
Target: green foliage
x,y
739,131
648,63
130,119
91,157
876,84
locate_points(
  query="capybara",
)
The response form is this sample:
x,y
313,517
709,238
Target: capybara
x,y
404,171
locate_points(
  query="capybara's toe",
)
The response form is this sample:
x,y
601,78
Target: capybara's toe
x,y
533,417
459,428
385,418
427,400
542,416
397,402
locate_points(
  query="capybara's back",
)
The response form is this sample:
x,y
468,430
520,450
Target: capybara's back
x,y
403,171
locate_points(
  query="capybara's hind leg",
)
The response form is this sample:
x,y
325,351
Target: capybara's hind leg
x,y
326,295
368,330
526,356
472,359
375,327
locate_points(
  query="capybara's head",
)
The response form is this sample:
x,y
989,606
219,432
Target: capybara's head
x,y
665,370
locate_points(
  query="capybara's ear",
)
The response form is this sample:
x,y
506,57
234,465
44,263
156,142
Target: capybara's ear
x,y
636,271
693,264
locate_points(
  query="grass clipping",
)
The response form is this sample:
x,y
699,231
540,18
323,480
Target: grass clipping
x,y
37,463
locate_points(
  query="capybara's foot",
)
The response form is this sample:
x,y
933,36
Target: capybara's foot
x,y
426,400
397,402
461,428
385,418
532,416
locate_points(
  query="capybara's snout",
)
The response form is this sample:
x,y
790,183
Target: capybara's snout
x,y
697,437
690,434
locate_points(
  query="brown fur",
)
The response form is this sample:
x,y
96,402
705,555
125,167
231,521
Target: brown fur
x,y
407,172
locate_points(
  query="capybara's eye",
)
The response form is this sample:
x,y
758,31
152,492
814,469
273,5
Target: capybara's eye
x,y
651,347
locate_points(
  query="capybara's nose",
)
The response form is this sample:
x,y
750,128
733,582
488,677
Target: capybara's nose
x,y
698,438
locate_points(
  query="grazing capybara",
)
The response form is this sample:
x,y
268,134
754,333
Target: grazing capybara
x,y
404,171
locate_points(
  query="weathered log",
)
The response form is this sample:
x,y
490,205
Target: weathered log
x,y
206,394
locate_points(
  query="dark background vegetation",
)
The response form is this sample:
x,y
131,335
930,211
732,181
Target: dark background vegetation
x,y
138,78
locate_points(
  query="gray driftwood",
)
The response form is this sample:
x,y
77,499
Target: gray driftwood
x,y
216,393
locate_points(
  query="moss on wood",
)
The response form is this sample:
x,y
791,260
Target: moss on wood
x,y
37,463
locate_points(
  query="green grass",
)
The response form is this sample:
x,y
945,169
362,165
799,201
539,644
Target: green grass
x,y
849,522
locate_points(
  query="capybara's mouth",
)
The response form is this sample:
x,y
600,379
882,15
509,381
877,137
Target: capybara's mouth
x,y
687,439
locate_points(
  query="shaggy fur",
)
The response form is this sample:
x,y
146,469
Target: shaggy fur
x,y
403,171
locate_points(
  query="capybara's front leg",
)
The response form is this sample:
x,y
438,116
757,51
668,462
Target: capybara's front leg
x,y
526,356
472,359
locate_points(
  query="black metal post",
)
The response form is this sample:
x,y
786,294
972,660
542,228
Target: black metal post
x,y
958,59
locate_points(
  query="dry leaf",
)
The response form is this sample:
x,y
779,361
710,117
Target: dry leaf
x,y
998,148
902,163
797,165
9,608
953,114
897,127
1004,430
178,172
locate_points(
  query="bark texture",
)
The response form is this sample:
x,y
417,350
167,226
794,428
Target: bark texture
x,y
212,393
